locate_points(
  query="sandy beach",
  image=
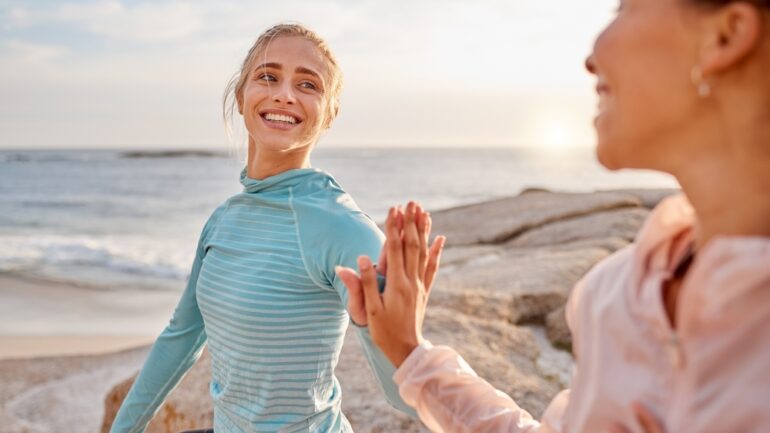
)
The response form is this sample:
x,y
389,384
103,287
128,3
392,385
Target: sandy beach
x,y
55,366
43,318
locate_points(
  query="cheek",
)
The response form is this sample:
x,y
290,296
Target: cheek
x,y
645,62
316,109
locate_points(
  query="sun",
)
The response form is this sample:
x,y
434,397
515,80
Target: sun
x,y
556,135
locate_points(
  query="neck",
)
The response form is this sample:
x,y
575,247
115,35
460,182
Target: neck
x,y
730,190
263,163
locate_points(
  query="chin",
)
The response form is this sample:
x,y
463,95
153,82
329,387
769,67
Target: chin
x,y
606,154
277,144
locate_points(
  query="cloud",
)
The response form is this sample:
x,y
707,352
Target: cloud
x,y
33,53
427,71
152,22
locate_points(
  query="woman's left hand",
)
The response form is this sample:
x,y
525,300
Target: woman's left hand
x,y
395,317
646,419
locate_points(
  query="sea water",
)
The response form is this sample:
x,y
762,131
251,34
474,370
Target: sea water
x,y
116,219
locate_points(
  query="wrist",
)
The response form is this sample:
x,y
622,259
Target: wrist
x,y
404,350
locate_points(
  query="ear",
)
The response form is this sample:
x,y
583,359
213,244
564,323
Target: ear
x,y
731,36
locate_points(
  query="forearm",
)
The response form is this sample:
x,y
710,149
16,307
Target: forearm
x,y
171,357
450,397
383,371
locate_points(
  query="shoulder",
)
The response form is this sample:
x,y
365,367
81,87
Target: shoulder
x,y
213,220
324,208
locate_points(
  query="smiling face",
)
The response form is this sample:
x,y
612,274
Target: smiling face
x,y
285,97
647,101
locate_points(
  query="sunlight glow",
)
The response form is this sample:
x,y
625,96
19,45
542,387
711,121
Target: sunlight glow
x,y
556,136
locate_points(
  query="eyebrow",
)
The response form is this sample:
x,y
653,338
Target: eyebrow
x,y
299,69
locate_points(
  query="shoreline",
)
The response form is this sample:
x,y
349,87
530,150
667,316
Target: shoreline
x,y
27,347
40,319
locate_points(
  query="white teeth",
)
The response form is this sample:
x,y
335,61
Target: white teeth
x,y
280,118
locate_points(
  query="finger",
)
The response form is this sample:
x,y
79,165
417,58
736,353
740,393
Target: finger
x,y
423,221
400,219
647,419
434,261
382,264
411,242
395,250
356,305
372,299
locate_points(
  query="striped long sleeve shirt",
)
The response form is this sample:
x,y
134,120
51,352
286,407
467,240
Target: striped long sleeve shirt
x,y
264,296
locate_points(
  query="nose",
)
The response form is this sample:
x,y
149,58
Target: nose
x,y
590,64
284,93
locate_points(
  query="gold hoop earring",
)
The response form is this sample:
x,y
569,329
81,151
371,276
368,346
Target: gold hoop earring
x,y
702,86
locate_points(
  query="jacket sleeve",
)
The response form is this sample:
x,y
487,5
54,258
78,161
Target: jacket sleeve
x,y
450,397
173,354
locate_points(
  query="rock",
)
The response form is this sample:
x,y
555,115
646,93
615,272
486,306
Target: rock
x,y
500,220
621,223
531,282
188,407
649,197
452,257
474,302
505,355
557,330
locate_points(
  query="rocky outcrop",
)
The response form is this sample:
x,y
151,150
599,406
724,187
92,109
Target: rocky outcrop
x,y
186,408
507,271
497,221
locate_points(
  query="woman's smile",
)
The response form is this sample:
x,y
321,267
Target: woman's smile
x,y
280,119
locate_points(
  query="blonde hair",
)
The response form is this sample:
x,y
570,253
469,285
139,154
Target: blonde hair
x,y
233,95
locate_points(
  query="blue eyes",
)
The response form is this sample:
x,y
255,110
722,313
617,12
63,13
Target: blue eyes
x,y
307,85
271,79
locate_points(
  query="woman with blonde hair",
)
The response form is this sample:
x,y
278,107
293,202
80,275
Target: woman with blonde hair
x,y
263,292
671,333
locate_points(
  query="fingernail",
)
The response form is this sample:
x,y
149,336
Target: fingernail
x,y
364,263
337,269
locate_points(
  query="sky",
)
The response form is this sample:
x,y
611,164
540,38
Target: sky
x,y
150,74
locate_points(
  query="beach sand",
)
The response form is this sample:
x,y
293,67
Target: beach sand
x,y
33,307
62,347
25,346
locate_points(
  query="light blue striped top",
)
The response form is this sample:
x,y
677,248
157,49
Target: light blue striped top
x,y
264,294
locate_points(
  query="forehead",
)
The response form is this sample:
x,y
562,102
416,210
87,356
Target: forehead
x,y
291,52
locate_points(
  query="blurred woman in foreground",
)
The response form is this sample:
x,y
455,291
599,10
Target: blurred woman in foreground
x,y
671,333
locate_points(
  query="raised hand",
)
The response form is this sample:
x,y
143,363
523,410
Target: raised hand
x,y
395,317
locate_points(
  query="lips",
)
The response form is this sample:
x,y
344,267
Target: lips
x,y
603,91
280,118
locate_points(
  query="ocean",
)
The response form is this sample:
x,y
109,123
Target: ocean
x,y
118,219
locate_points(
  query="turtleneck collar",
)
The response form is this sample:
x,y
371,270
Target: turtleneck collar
x,y
278,182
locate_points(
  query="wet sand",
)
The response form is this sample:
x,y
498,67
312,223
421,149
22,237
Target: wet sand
x,y
62,347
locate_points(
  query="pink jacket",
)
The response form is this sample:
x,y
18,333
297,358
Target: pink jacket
x,y
711,374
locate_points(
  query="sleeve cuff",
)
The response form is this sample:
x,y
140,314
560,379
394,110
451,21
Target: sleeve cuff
x,y
411,362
